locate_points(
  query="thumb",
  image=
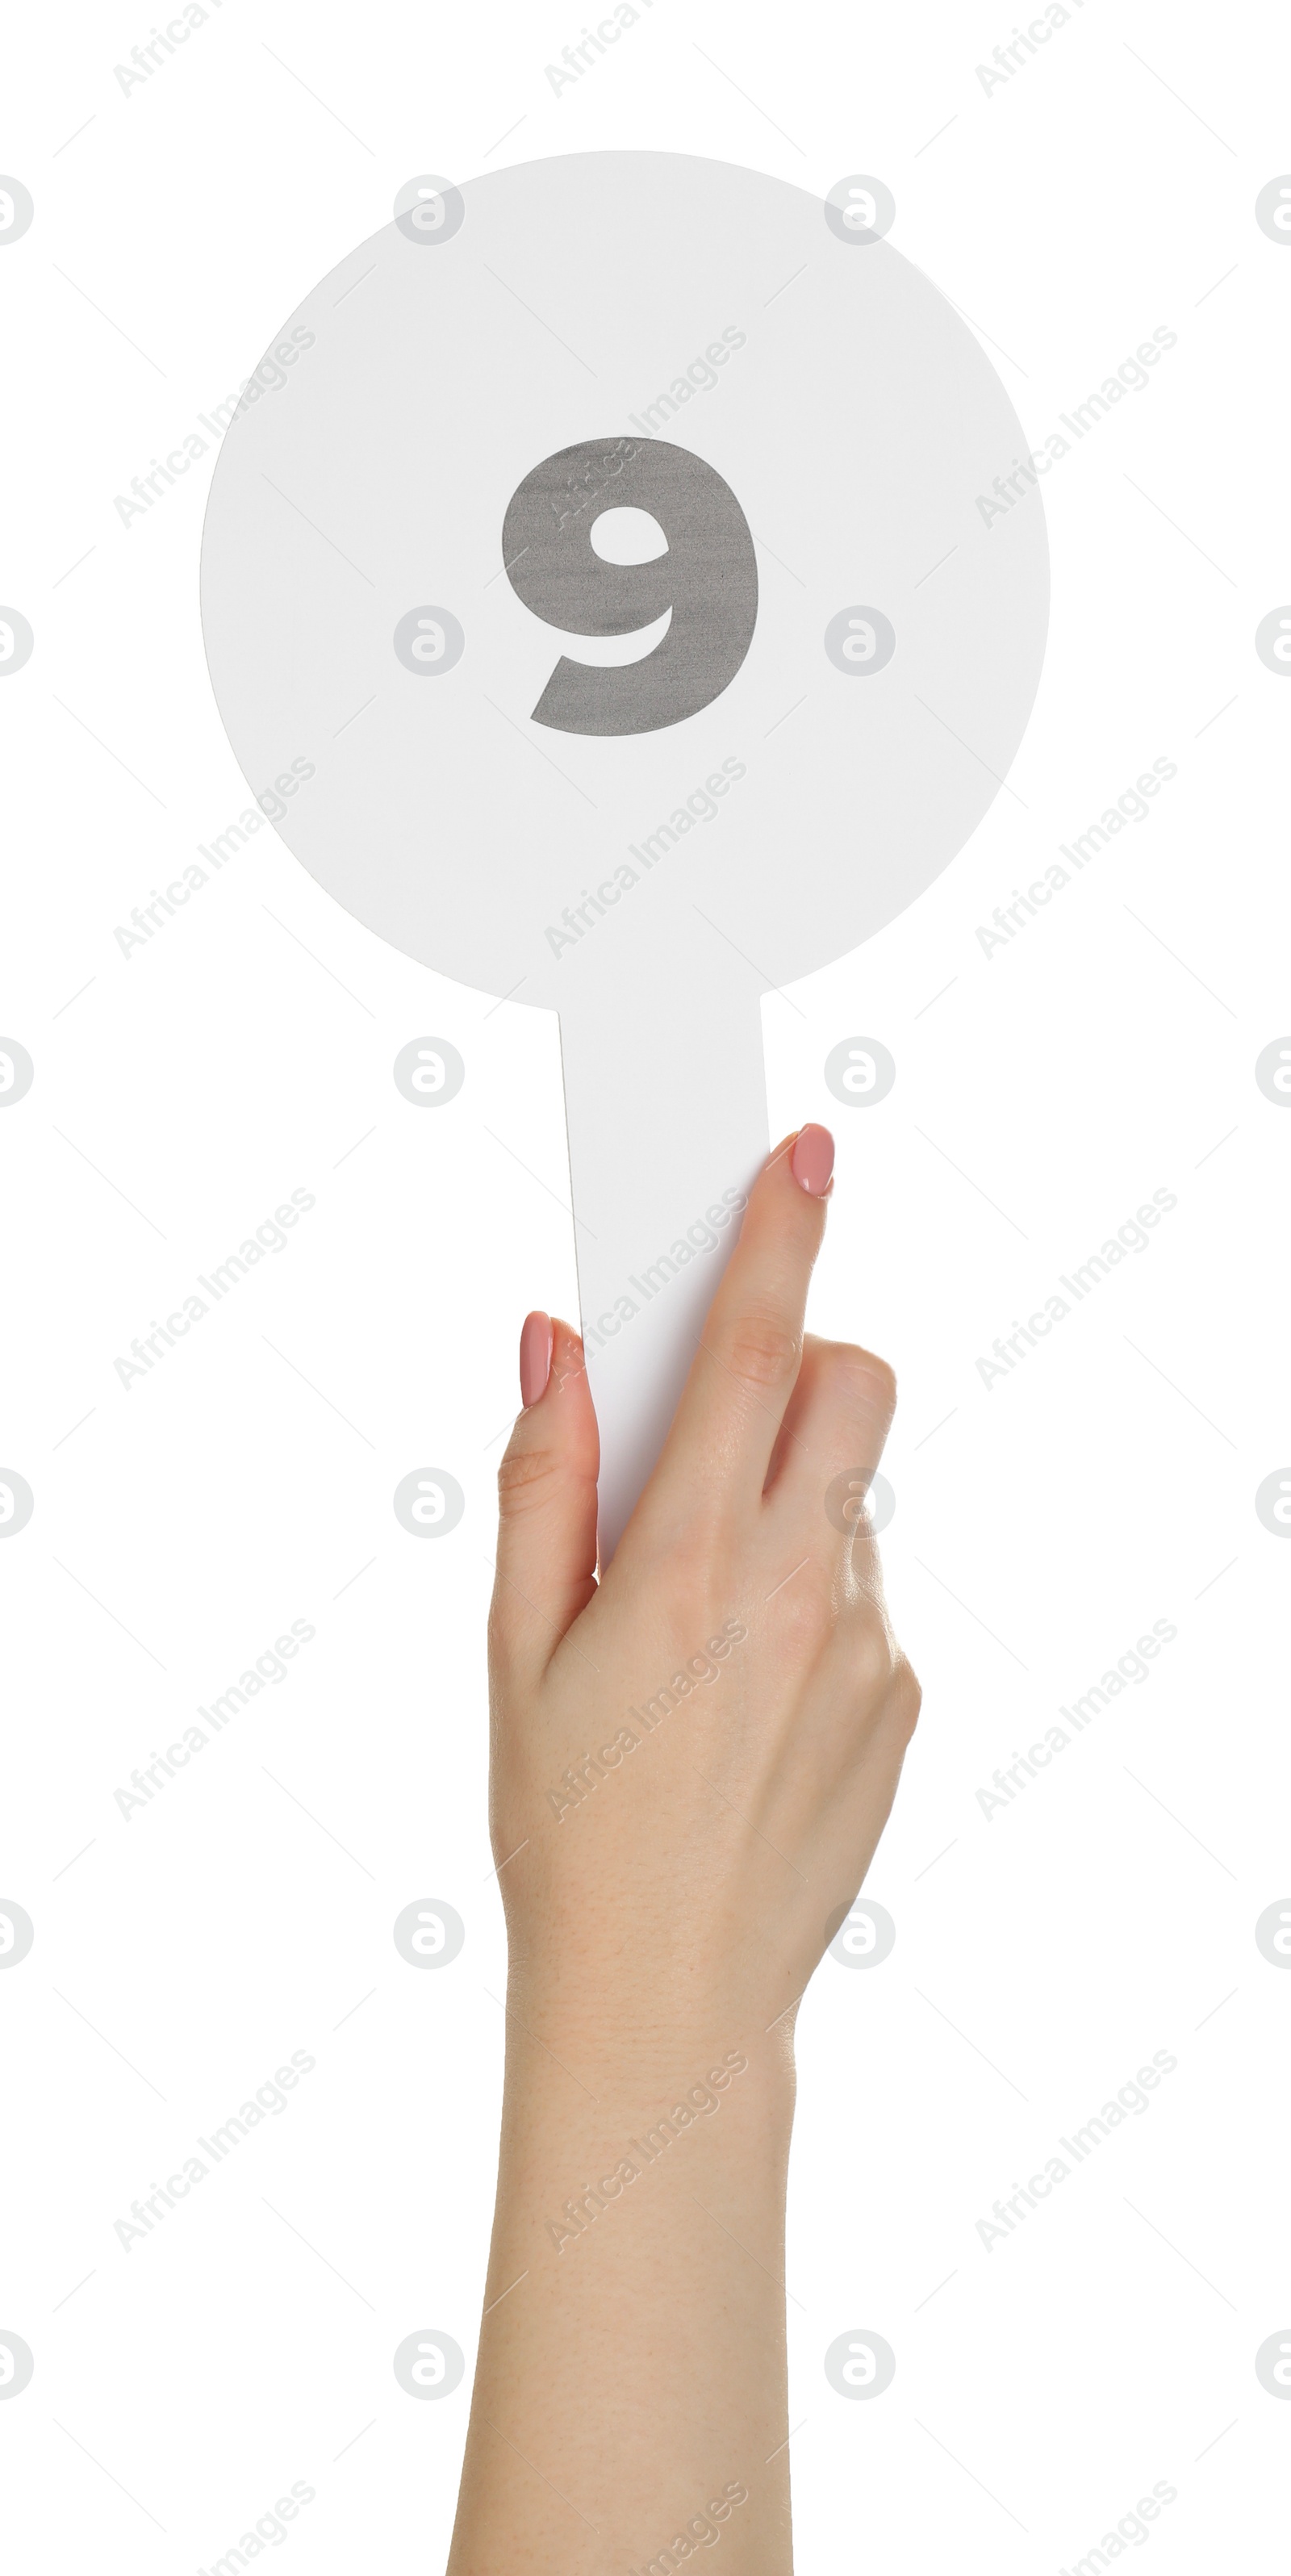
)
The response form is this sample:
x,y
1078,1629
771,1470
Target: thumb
x,y
546,1560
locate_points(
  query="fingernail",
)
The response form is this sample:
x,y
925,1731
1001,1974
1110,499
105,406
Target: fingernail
x,y
812,1161
535,1356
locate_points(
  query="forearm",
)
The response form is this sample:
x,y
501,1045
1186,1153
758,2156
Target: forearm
x,y
727,1710
631,2373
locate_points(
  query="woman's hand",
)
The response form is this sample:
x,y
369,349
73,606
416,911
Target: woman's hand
x,y
698,1755
692,1763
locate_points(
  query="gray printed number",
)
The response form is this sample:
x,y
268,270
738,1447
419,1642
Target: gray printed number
x,y
708,578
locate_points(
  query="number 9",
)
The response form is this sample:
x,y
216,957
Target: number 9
x,y
708,578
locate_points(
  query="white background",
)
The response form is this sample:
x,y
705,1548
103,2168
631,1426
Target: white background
x,y
1041,1525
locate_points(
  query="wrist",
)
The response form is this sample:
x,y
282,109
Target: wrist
x,y
637,2054
589,2114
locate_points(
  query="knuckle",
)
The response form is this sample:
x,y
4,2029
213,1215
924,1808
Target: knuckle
x,y
526,1479
859,1385
873,1661
761,1350
866,1380
905,1698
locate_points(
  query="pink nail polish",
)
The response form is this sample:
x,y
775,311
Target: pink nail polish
x,y
812,1161
536,1340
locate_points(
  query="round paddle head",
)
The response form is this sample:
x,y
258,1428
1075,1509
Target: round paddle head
x,y
399,578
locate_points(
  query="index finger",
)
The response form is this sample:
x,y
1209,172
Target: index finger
x,y
745,1369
